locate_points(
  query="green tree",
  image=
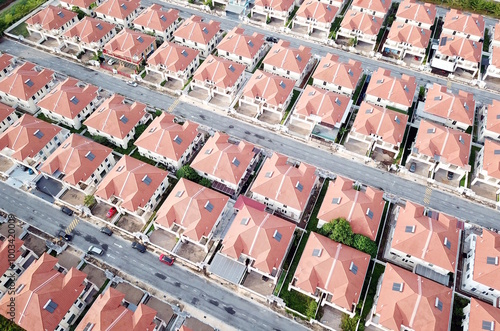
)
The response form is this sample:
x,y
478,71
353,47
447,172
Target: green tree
x,y
209,3
365,244
205,182
89,200
188,173
342,232
100,139
81,13
347,323
327,229
311,309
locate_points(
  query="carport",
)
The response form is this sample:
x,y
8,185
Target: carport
x,y
227,268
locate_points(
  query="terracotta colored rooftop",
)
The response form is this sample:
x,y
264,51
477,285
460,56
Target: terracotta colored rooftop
x,y
332,267
5,251
413,301
115,117
418,12
173,57
465,48
222,72
5,111
284,182
486,272
118,8
472,24
448,145
25,81
224,159
432,237
320,11
27,137
274,89
495,56
45,295
398,90
459,107
493,117
192,207
89,29
483,316
382,122
129,44
331,70
241,44
496,33
259,235
157,18
330,107
367,24
77,158
5,61
381,6
80,3
283,56
69,98
108,313
197,30
278,5
52,18
363,209
410,34
132,181
168,138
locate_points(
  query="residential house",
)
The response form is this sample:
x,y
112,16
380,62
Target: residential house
x,y
51,22
89,34
7,63
407,301
441,148
158,21
168,142
331,273
29,141
116,119
285,185
86,6
480,316
118,12
421,15
133,187
192,212
112,312
198,34
493,68
243,48
469,26
278,10
286,61
8,117
226,162
130,48
387,91
25,86
490,126
456,111
377,8
424,238
79,163
457,53
316,16
381,129
14,260
362,206
70,102
219,76
336,76
47,299
407,40
360,27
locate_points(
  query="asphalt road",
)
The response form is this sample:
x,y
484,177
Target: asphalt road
x,y
179,282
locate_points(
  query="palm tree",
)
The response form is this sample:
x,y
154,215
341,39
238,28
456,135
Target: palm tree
x,y
89,200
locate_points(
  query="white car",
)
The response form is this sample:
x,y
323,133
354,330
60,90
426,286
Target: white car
x,y
132,83
111,62
95,250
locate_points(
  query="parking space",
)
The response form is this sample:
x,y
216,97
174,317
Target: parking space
x,y
153,77
221,100
258,283
421,168
95,275
49,186
20,176
356,146
381,155
198,93
100,210
70,258
331,317
191,252
485,190
163,310
132,294
441,176
247,110
5,164
194,324
163,239
174,84
130,223
73,197
300,129
270,118
300,29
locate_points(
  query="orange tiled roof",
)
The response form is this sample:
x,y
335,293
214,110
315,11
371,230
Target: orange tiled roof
x,y
418,12
382,122
40,285
362,209
322,12
472,24
173,57
129,44
77,158
462,47
381,6
278,5
329,106
27,137
52,17
5,251
283,56
493,117
416,305
451,146
274,89
398,90
241,44
25,81
223,159
332,267
481,312
427,237
115,117
5,111
495,56
406,33
487,245
90,29
5,61
167,138
331,70
132,181
193,207
120,9
222,72
157,18
445,104
197,30
80,3
367,24
281,181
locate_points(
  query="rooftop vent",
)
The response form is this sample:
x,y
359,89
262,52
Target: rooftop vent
x,y
98,26
250,43
29,82
60,14
39,134
147,180
209,206
269,174
438,304
398,287
139,39
74,100
353,268
317,252
299,186
236,162
163,18
336,201
277,235
410,229
244,221
124,119
90,156
179,193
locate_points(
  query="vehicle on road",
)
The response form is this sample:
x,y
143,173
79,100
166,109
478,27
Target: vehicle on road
x,y
111,212
63,235
132,83
106,231
111,62
272,39
413,167
67,211
95,250
168,260
450,175
140,247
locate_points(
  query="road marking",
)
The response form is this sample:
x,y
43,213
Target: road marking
x,y
72,225
111,256
118,245
427,196
173,105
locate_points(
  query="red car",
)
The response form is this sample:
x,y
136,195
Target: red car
x,y
168,260
111,212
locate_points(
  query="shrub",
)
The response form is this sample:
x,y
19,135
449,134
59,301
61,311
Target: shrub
x,y
205,182
89,200
342,232
365,244
347,323
311,309
189,173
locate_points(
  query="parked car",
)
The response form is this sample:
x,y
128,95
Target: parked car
x,y
450,175
413,167
106,230
132,83
111,62
111,212
95,250
168,260
272,39
63,235
140,247
67,211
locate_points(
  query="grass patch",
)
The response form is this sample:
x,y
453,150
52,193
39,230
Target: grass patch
x,y
487,40
188,82
381,226
358,90
459,303
138,156
290,18
8,325
378,270
17,11
335,26
21,30
44,118
472,162
259,64
397,110
397,160
483,7
290,106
